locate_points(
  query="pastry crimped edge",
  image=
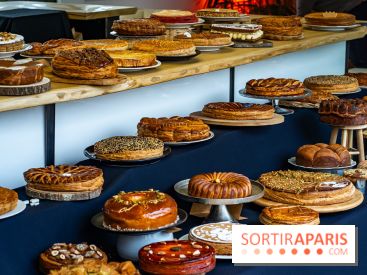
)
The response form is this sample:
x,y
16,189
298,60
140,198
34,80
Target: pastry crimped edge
x,y
132,154
80,186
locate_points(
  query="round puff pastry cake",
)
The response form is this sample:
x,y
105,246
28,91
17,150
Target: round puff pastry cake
x,y
62,254
51,47
238,111
139,210
11,42
274,87
217,13
85,63
174,16
132,59
217,235
8,200
331,83
165,47
20,72
306,188
281,25
323,155
64,178
289,215
177,258
173,129
128,148
109,45
330,18
143,26
220,185
205,38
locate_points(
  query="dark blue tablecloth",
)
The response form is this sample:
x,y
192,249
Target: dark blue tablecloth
x,y
250,151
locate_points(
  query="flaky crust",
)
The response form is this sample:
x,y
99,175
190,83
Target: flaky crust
x,y
217,13
330,19
51,47
238,111
65,178
140,210
85,63
20,72
288,215
8,200
146,26
220,185
106,44
174,16
274,87
173,129
281,25
165,47
206,39
316,97
131,59
331,83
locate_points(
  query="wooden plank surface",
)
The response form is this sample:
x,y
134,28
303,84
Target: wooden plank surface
x,y
204,63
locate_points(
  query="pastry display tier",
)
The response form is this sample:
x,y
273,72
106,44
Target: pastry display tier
x,y
204,63
333,170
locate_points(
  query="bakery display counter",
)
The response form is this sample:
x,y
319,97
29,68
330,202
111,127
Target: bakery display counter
x,y
204,63
252,151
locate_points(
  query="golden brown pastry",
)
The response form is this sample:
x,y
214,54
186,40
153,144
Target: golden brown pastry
x,y
361,77
131,59
317,96
205,39
175,16
330,18
362,164
140,210
51,47
274,87
331,83
85,63
239,32
281,25
173,129
20,72
165,47
36,49
222,185
289,215
355,174
142,27
217,13
11,42
128,148
8,200
109,45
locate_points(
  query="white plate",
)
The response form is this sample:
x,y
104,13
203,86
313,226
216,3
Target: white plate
x,y
182,143
20,208
136,69
26,47
330,28
212,48
219,257
183,25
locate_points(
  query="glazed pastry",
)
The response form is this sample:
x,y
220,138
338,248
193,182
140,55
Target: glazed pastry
x,y
109,45
217,13
128,148
274,87
20,72
222,185
85,63
131,59
51,47
306,188
165,47
343,112
217,235
62,254
173,129
289,215
239,32
138,27
323,155
174,16
205,39
65,178
11,42
177,258
140,210
8,200
330,18
361,77
281,25
331,83
238,111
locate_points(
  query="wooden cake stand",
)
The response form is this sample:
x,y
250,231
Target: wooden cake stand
x,y
62,196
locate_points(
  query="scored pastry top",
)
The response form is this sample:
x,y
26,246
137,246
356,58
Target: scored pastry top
x,y
237,106
89,57
213,232
290,214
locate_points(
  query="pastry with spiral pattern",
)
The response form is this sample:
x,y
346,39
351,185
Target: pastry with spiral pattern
x,y
273,87
220,185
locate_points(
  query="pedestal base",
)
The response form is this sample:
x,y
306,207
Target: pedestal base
x,y
219,213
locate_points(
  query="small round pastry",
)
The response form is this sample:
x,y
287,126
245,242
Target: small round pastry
x,y
52,47
35,50
65,178
238,111
165,47
11,42
177,258
220,185
8,200
274,87
331,83
289,215
217,235
62,254
128,148
139,211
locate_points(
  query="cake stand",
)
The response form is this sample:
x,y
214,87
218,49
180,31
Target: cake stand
x,y
332,170
219,211
275,100
129,242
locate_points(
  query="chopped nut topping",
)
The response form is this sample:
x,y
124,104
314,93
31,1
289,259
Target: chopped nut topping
x,y
196,253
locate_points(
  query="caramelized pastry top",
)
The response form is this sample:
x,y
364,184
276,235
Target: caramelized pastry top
x,y
290,214
89,57
275,83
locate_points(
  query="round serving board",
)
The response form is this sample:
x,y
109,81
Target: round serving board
x,y
277,119
20,208
332,208
97,82
330,28
31,89
62,196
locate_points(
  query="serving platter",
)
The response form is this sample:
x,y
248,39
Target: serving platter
x,y
21,90
183,143
89,153
213,48
333,170
331,208
178,57
347,93
26,47
331,28
62,196
277,119
136,69
20,208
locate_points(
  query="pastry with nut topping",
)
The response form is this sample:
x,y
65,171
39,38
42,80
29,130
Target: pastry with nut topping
x,y
177,258
139,211
62,254
330,18
331,83
11,42
128,148
273,87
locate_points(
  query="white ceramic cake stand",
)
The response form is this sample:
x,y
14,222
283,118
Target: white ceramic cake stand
x,y
218,211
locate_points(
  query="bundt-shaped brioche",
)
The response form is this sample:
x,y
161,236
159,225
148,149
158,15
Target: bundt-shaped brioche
x,y
323,155
222,185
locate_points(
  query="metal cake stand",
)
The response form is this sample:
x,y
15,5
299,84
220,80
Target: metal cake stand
x,y
275,100
219,211
332,170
